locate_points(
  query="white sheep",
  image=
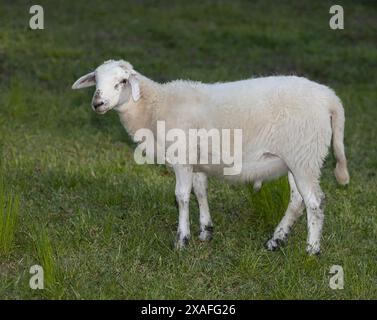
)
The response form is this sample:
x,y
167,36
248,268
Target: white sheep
x,y
287,124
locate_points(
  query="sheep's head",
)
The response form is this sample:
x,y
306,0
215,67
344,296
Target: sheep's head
x,y
115,81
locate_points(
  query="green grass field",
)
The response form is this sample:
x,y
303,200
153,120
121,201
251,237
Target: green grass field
x,y
74,201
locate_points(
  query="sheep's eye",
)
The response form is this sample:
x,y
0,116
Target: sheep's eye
x,y
124,81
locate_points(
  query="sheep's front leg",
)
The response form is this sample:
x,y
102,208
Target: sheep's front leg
x,y
183,185
200,186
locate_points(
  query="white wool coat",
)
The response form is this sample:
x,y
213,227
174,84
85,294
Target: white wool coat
x,y
285,120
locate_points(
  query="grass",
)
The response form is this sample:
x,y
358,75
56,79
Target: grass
x,y
9,212
102,226
45,256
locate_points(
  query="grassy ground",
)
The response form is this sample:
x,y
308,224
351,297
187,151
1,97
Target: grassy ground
x,y
102,226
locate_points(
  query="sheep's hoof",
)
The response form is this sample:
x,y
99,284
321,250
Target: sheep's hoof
x,y
274,244
257,186
313,249
181,242
206,234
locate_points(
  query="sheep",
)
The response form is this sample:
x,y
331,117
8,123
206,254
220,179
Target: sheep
x,y
287,125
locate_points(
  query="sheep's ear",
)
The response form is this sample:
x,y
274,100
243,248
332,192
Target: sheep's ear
x,y
85,81
135,89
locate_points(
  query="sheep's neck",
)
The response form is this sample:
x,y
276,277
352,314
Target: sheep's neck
x,y
142,113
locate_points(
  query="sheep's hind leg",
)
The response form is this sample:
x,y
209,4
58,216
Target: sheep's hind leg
x,y
183,177
293,213
200,189
314,199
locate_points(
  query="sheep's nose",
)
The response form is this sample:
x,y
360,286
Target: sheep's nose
x,y
97,104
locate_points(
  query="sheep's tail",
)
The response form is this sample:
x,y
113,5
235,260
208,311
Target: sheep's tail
x,y
337,123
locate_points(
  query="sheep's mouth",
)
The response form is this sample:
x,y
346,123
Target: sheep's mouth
x,y
103,109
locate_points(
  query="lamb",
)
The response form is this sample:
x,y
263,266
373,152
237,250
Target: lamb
x,y
287,124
